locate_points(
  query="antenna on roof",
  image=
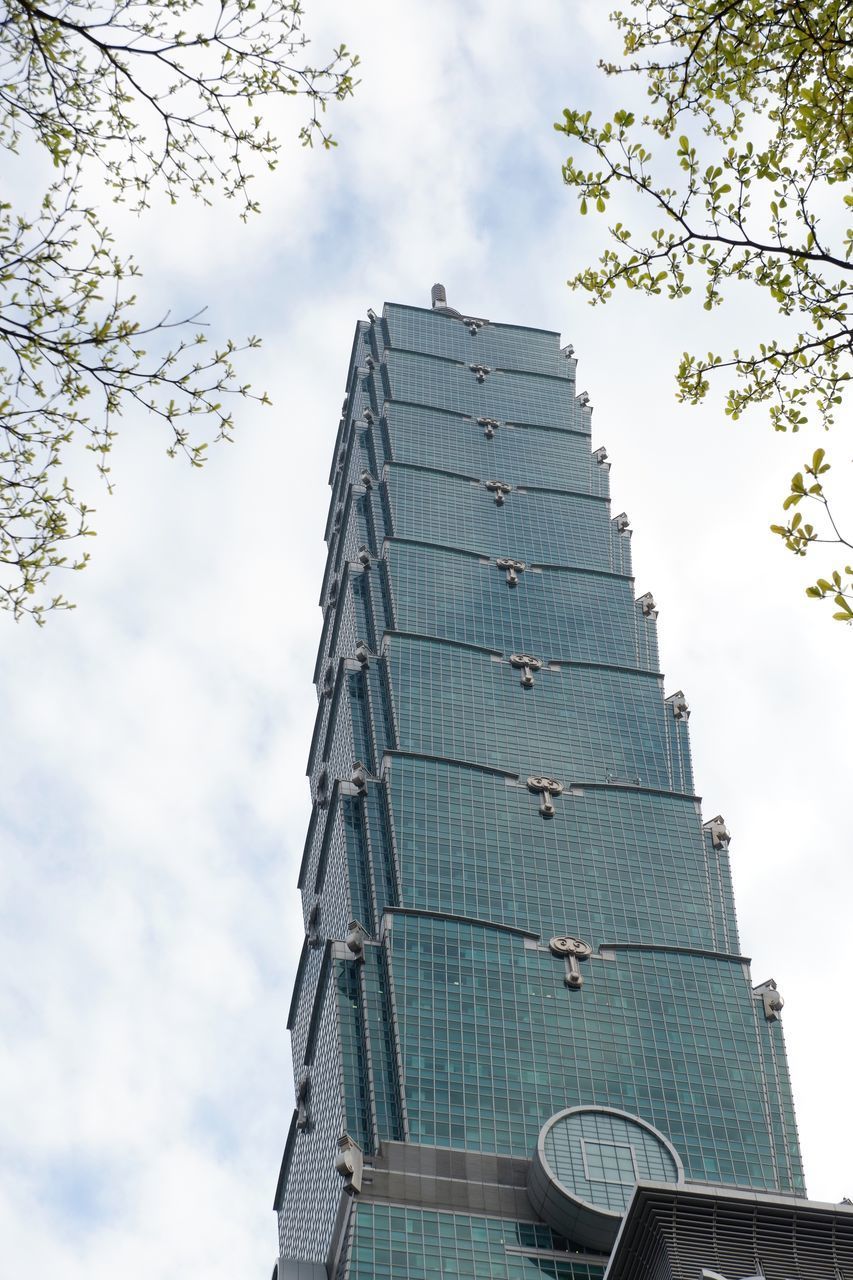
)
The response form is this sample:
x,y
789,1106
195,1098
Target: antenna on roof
x,y
439,295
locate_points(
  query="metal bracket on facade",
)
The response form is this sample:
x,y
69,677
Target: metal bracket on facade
x,y
480,371
349,1162
499,489
647,605
362,653
718,831
770,998
678,702
573,950
513,569
356,937
489,425
547,788
623,524
314,925
303,1091
527,665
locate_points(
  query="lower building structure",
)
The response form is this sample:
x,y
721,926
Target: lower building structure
x,y
526,1041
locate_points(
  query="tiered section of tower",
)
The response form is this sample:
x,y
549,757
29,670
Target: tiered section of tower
x,y
495,764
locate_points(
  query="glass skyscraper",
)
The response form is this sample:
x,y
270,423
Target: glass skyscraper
x,y
521,990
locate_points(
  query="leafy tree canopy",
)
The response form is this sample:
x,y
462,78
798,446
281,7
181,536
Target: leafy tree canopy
x,y
140,97
754,99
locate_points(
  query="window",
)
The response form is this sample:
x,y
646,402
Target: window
x,y
609,1161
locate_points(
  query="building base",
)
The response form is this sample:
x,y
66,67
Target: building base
x,y
696,1232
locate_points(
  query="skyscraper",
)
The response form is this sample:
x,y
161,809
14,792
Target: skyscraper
x,y
521,990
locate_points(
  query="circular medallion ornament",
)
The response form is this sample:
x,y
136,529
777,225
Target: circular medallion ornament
x,y
586,1164
545,784
563,945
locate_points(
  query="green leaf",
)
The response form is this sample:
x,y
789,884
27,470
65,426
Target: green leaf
x,y
760,92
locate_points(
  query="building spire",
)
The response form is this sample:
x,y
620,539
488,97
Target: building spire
x,y
438,296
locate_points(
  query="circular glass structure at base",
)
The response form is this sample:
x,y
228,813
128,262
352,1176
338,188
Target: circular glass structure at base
x,y
585,1166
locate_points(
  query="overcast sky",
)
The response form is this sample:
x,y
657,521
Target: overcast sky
x,y
154,741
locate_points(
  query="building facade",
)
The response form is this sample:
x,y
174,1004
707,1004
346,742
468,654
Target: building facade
x,y
521,990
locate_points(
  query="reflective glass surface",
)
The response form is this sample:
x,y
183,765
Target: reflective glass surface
x,y
497,763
